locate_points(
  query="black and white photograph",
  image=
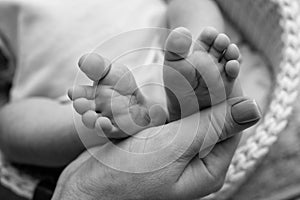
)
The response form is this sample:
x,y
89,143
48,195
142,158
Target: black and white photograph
x,y
149,99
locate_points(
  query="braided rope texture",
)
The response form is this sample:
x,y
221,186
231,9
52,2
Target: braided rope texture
x,y
272,27
18,182
280,43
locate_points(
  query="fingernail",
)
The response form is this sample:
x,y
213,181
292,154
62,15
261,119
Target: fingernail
x,y
246,112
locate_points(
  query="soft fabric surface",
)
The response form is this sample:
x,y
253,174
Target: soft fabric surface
x,y
278,176
48,37
255,75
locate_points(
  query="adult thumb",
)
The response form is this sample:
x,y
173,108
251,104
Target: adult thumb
x,y
223,121
240,113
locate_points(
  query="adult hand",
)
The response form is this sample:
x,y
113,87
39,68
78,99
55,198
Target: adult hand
x,y
165,165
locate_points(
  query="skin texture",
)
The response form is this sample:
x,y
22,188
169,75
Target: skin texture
x,y
30,135
33,140
116,105
86,178
186,177
207,56
207,73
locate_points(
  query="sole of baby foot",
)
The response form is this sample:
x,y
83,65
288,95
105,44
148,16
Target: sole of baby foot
x,y
199,78
114,105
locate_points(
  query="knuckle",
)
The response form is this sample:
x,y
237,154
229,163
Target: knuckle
x,y
218,183
217,180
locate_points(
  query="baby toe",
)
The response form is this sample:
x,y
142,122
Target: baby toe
x,y
121,79
104,124
220,44
77,92
89,119
178,44
232,69
206,39
94,66
83,105
157,115
232,52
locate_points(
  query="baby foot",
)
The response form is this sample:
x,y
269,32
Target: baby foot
x,y
114,104
201,77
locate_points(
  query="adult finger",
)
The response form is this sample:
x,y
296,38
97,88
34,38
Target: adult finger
x,y
241,114
223,121
205,176
177,143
